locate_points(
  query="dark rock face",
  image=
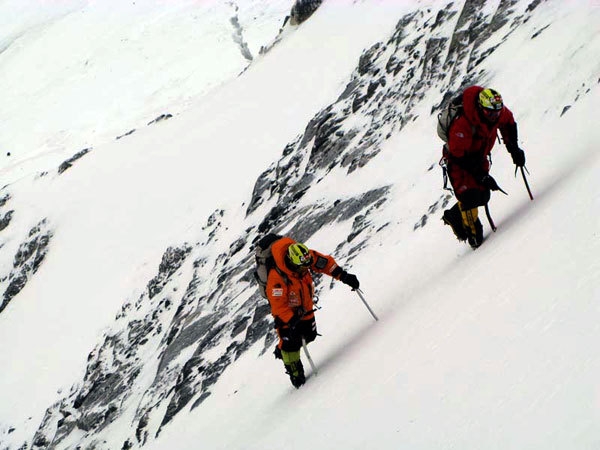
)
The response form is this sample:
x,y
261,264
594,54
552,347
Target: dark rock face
x,y
302,10
27,261
202,310
5,217
160,118
121,136
5,220
69,162
171,261
4,199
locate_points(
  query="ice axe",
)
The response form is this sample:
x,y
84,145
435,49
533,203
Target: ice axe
x,y
489,218
360,294
310,361
523,169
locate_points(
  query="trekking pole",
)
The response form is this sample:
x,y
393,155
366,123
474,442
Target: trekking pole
x,y
525,180
489,217
310,361
360,294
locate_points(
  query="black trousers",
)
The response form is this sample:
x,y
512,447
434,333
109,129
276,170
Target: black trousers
x,y
290,339
473,198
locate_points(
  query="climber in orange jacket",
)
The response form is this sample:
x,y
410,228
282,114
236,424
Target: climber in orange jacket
x,y
290,291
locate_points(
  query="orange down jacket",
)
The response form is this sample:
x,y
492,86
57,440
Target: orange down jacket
x,y
289,292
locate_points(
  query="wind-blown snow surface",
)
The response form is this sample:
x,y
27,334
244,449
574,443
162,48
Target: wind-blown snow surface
x,y
95,69
494,348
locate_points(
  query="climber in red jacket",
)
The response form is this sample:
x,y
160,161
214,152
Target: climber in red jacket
x,y
471,137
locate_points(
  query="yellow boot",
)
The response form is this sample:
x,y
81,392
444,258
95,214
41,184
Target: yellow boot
x,y
472,225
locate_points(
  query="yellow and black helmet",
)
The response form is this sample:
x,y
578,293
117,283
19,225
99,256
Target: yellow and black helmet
x,y
299,255
489,99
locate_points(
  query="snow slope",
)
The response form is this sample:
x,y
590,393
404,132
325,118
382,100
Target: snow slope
x,y
491,348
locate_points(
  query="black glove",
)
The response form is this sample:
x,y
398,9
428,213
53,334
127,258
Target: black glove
x,y
489,183
349,279
295,320
288,335
518,157
290,324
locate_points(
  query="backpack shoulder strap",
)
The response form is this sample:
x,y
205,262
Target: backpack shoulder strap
x,y
282,274
457,101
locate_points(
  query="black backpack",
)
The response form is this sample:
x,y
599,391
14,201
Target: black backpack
x,y
445,118
265,261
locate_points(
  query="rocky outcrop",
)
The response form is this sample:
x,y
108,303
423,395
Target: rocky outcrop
x,y
69,162
26,262
302,10
160,118
5,217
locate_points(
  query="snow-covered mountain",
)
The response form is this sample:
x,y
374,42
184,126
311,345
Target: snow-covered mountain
x,y
146,146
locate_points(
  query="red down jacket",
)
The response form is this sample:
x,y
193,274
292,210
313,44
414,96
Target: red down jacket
x,y
470,141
